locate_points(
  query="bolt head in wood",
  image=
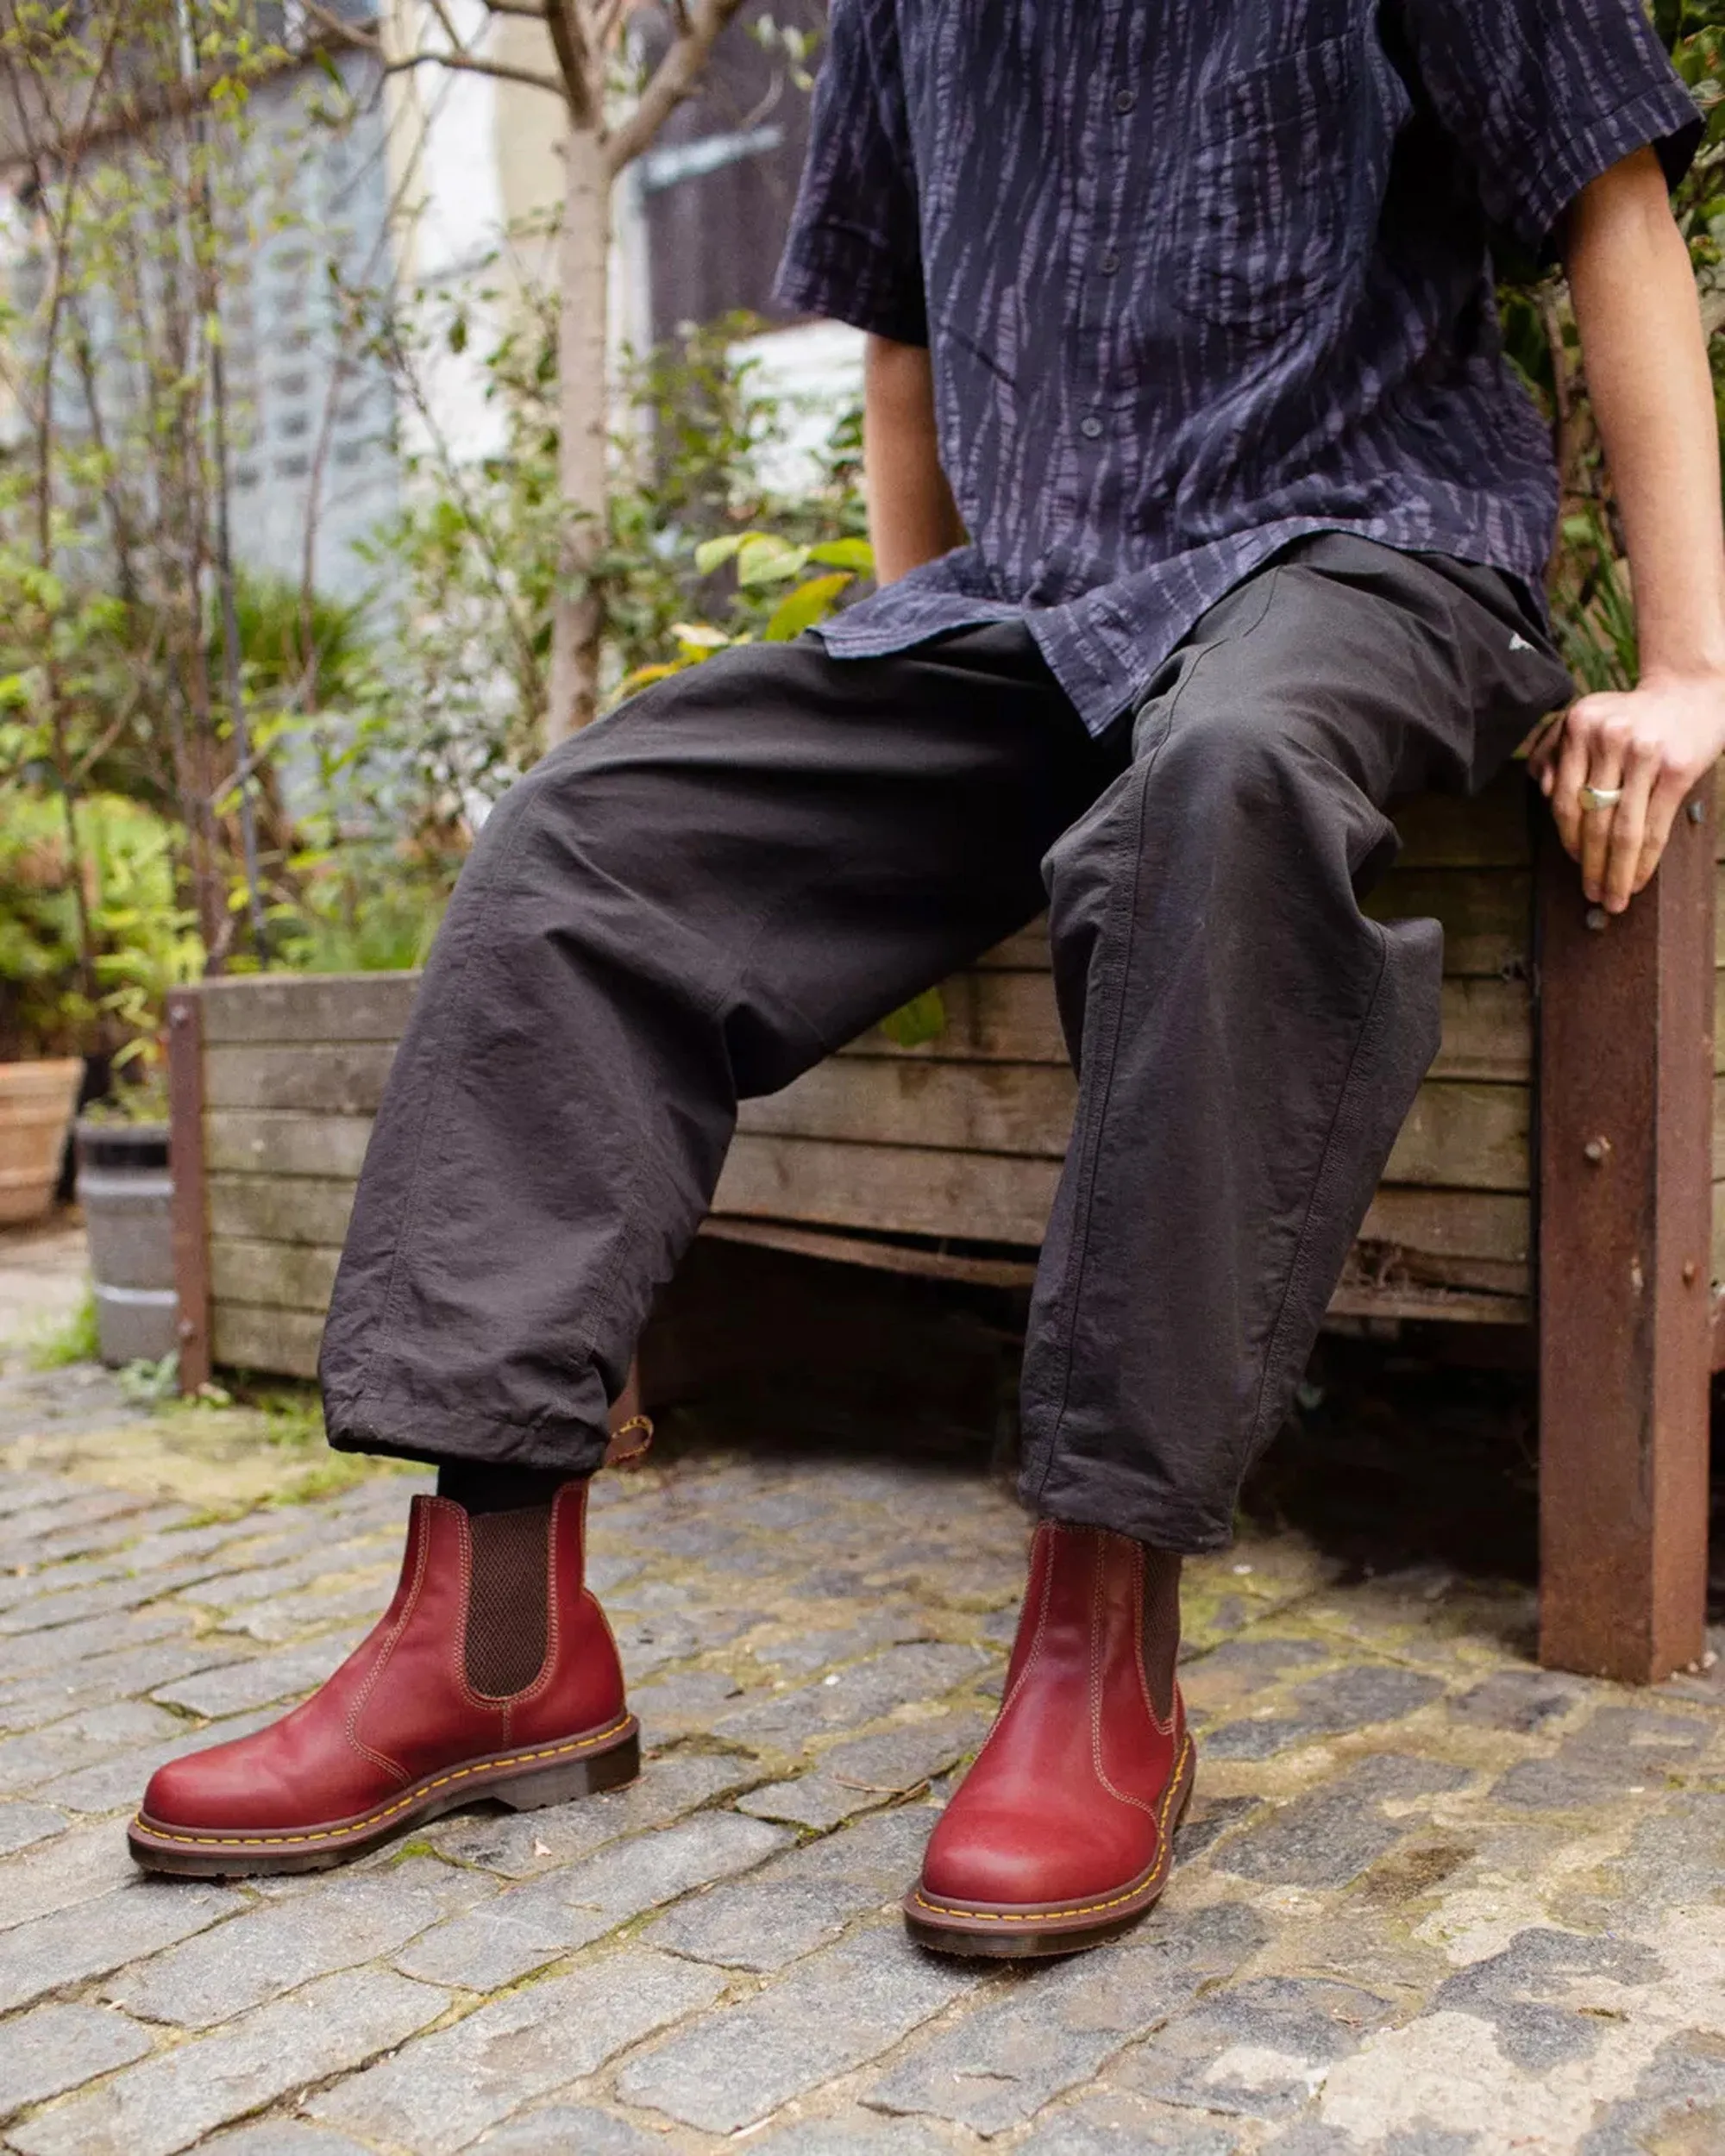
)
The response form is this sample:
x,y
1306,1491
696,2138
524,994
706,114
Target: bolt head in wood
x,y
1597,1150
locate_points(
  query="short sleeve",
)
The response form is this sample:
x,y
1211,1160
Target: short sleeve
x,y
855,250
1543,96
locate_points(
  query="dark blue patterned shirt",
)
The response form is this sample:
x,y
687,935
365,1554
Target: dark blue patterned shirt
x,y
1202,276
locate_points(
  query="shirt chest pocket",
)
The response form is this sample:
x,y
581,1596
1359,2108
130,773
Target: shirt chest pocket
x,y
1277,197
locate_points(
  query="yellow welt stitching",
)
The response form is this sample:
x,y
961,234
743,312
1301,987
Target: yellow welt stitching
x,y
1090,1909
376,1819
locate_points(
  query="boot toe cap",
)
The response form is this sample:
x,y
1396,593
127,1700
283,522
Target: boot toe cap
x,y
263,1782
997,1857
211,1790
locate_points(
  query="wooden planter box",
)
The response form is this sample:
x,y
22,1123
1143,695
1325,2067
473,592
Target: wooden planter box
x,y
942,1160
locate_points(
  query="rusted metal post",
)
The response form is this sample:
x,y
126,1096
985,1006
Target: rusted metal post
x,y
1625,1183
185,1158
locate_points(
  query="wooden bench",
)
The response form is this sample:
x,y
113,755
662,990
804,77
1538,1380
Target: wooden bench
x,y
1558,1168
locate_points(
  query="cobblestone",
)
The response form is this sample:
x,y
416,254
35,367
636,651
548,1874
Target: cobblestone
x,y
21,1824
53,2048
562,2128
271,1950
257,1681
440,2093
1429,1901
1003,2063
870,1771
832,2012
169,2102
72,1946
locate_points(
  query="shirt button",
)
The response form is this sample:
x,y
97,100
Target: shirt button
x,y
1125,100
1111,263
1090,427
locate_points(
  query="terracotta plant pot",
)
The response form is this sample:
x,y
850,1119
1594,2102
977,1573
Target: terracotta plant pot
x,y
37,1101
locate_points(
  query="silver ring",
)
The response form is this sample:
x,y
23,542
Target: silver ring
x,y
1601,797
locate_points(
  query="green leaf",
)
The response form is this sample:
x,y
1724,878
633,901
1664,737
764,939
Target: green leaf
x,y
913,1024
845,554
763,560
803,607
713,554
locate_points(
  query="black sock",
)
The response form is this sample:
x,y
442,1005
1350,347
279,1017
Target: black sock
x,y
480,1486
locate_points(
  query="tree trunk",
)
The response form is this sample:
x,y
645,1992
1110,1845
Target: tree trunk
x,y
581,442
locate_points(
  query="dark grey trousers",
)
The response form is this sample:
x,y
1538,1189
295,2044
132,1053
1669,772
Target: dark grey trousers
x,y
704,894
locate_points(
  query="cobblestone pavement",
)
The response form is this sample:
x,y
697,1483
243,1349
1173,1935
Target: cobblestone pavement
x,y
1430,1900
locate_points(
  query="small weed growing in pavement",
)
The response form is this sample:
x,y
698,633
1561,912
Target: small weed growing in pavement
x,y
147,1384
293,1417
72,1341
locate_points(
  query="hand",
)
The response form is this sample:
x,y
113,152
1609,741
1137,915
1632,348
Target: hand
x,y
1655,744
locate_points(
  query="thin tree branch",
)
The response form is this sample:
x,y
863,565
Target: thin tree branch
x,y
337,26
469,64
676,78
526,12
132,114
457,42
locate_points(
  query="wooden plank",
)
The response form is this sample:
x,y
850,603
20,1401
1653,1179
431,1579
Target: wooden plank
x,y
321,1077
1027,952
990,1108
1488,1031
300,1007
1487,915
1459,1224
281,1208
284,1343
1010,1017
906,1190
186,1155
249,1142
278,1276
910,1259
1465,1137
996,1016
1426,1304
1442,830
1628,1098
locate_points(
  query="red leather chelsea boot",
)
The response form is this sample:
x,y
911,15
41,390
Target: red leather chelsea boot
x,y
491,1673
1061,1834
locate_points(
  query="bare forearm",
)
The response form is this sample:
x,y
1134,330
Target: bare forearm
x,y
1639,320
911,515
1617,770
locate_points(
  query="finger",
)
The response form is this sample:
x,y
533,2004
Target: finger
x,y
1573,757
1629,827
1605,773
1568,779
1663,811
1542,746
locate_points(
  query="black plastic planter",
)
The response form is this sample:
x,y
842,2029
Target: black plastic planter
x,y
126,1189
